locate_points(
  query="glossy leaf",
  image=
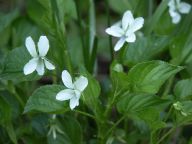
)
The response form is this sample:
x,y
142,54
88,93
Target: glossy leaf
x,y
183,89
13,66
44,100
132,103
145,48
92,92
149,76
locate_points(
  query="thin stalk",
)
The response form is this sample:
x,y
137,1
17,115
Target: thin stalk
x,y
86,114
166,134
115,125
13,91
168,114
108,25
150,11
81,31
93,55
60,34
168,87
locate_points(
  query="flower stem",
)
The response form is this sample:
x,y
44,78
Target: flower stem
x,y
166,134
108,24
115,125
86,114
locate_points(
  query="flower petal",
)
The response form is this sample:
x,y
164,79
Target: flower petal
x,y
184,7
43,46
74,101
119,44
127,20
173,12
30,66
49,65
137,24
131,38
77,93
115,31
65,95
30,45
176,19
81,83
67,80
40,67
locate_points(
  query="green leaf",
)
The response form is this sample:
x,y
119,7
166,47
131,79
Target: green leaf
x,y
156,16
119,79
152,117
180,48
44,100
120,6
92,29
92,92
132,103
67,9
164,25
183,88
149,76
7,19
40,12
13,66
145,48
6,119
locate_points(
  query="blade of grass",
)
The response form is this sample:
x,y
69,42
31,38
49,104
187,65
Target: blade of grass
x,y
93,55
108,25
156,16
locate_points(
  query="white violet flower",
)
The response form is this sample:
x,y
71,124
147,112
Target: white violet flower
x,y
38,58
74,90
126,29
176,7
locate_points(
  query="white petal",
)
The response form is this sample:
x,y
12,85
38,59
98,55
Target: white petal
x,y
131,38
74,101
171,4
30,45
40,67
137,24
176,19
173,12
127,19
49,65
67,80
184,7
115,31
77,93
43,46
65,95
119,44
81,83
30,66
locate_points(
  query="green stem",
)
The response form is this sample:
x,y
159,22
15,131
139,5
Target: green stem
x,y
60,35
168,87
81,31
168,114
86,114
93,55
166,134
115,125
150,11
108,24
12,90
